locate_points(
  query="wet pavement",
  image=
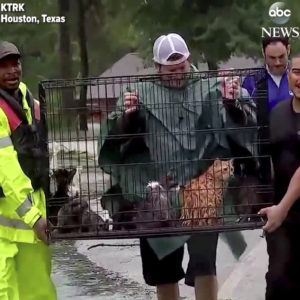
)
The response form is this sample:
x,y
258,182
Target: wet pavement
x,y
115,272
78,278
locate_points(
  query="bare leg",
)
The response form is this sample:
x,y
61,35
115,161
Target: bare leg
x,y
206,287
168,291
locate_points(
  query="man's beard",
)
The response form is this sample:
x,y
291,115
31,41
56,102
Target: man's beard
x,y
277,71
174,82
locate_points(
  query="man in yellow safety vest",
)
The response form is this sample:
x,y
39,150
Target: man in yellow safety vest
x,y
25,263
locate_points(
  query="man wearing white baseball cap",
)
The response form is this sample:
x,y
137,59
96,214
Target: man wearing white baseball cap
x,y
166,46
171,55
142,110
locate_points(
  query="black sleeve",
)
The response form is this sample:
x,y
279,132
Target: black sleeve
x,y
280,118
122,132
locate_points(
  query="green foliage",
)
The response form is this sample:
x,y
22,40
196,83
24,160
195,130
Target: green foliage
x,y
213,29
37,42
294,22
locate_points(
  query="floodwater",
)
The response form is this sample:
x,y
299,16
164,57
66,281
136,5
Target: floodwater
x,y
78,278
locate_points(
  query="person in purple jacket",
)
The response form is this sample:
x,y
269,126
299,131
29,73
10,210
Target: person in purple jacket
x,y
271,87
274,80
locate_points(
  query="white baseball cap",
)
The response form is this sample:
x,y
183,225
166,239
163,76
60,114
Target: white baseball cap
x,y
167,45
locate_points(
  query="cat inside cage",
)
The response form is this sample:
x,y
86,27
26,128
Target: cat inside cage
x,y
160,160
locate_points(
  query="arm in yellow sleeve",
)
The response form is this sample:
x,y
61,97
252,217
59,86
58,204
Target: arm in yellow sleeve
x,y
15,184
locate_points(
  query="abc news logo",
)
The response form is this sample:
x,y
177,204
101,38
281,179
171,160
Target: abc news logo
x,y
278,12
280,15
290,32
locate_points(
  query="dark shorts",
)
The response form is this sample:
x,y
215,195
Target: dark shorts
x,y
202,250
283,246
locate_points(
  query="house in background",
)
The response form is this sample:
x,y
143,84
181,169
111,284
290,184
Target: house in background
x,y
104,92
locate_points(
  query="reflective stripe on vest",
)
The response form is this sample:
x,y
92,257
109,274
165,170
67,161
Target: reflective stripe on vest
x,y
5,142
13,223
25,206
26,107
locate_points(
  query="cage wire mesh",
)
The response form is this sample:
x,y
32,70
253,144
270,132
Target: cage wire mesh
x,y
184,160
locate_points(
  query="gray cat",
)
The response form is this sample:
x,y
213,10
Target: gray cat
x,y
76,217
156,210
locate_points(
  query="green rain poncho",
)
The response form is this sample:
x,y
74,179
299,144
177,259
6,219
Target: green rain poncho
x,y
174,130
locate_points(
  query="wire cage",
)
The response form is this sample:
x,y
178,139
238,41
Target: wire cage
x,y
184,154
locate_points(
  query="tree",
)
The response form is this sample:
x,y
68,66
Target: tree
x,y
65,50
65,53
37,42
81,23
213,29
